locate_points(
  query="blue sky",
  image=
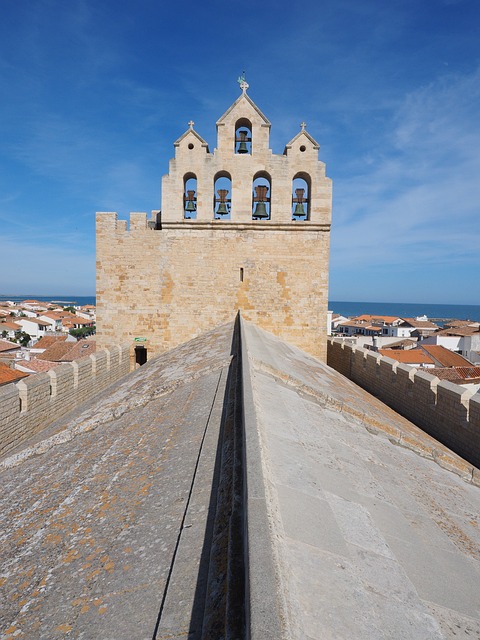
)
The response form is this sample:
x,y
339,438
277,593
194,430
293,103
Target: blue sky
x,y
94,92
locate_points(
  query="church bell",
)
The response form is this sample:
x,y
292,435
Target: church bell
x,y
242,141
299,210
222,206
190,202
260,210
260,198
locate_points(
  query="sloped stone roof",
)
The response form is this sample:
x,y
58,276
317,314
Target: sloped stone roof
x,y
359,525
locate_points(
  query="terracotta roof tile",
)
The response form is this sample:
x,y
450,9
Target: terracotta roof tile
x,y
10,325
461,323
458,331
421,324
451,375
8,375
370,318
5,345
68,351
55,352
468,373
408,356
41,323
445,357
80,349
47,341
458,375
37,366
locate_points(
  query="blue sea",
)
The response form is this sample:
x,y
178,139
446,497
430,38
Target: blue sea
x,y
344,308
64,300
407,310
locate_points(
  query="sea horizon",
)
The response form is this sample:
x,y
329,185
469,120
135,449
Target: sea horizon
x,y
407,310
342,307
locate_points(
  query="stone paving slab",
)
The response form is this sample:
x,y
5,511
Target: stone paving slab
x,y
359,525
373,540
90,517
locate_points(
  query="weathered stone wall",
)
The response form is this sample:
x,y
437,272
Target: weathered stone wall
x,y
174,277
444,410
171,285
31,404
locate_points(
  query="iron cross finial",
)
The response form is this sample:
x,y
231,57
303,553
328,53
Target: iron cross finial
x,y
191,123
243,83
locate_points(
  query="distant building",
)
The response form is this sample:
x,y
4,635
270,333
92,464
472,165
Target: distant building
x,y
412,357
33,326
387,327
462,339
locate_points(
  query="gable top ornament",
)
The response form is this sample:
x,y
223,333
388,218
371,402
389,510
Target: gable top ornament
x,y
243,83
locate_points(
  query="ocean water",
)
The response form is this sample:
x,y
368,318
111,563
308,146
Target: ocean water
x,y
60,299
344,308
407,310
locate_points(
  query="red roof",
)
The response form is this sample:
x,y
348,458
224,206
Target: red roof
x,y
79,350
468,372
10,325
458,375
445,357
55,351
47,341
8,375
369,318
8,346
408,356
37,366
421,324
458,331
68,351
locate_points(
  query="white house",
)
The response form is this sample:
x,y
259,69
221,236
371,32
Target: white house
x,y
10,328
33,326
53,319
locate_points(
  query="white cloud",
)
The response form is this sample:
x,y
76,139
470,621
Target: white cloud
x,y
420,201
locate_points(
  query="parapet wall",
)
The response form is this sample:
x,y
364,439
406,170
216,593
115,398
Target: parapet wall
x,y
442,409
30,405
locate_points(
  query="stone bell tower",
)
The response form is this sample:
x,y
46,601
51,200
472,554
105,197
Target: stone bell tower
x,y
239,229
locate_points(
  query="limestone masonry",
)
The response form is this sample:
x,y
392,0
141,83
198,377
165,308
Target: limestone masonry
x,y
239,229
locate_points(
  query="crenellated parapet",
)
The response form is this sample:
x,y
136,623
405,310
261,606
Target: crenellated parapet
x,y
448,412
107,223
30,405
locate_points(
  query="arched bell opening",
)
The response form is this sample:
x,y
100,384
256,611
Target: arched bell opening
x,y
190,196
261,196
243,136
301,186
222,197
